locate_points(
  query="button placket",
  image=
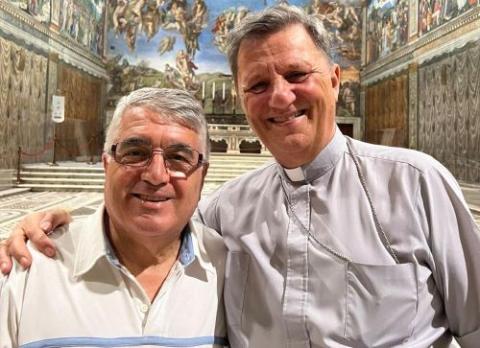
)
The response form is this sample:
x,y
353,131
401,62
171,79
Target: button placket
x,y
296,282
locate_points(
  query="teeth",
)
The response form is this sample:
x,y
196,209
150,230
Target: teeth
x,y
286,118
145,198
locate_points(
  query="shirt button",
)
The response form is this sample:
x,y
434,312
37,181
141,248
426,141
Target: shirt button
x,y
144,308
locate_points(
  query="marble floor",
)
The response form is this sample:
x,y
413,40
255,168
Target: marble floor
x,y
13,207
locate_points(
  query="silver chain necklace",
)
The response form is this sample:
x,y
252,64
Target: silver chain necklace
x,y
383,236
293,214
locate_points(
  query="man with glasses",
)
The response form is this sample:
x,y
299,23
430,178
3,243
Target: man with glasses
x,y
138,272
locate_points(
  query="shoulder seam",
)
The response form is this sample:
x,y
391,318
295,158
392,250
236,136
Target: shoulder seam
x,y
422,171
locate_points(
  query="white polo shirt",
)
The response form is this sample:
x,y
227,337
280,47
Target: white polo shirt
x,y
86,298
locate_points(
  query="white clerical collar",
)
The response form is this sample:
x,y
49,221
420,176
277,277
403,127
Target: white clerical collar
x,y
325,160
295,174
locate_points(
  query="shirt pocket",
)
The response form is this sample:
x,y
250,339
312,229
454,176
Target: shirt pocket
x,y
236,275
381,304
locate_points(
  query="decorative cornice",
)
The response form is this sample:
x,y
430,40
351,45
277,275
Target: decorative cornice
x,y
435,41
21,25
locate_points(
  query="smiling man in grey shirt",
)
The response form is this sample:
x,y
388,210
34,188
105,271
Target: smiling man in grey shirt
x,y
338,243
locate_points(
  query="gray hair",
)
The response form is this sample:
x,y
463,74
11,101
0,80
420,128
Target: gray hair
x,y
271,20
173,105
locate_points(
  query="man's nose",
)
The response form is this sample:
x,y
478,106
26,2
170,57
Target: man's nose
x,y
156,173
282,95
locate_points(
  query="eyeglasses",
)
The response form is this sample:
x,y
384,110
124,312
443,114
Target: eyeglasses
x,y
179,159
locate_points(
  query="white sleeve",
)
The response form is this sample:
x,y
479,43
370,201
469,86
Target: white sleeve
x,y
11,293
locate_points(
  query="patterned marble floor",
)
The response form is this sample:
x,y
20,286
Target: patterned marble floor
x,y
12,208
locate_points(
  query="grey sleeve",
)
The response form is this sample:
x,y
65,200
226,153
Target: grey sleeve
x,y
206,211
454,241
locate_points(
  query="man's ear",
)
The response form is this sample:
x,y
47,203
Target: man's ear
x,y
106,160
205,170
204,174
335,78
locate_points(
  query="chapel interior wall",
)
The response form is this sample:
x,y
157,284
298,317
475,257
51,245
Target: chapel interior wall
x,y
449,109
422,91
23,74
80,136
386,114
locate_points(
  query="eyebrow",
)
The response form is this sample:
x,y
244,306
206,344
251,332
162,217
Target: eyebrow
x,y
302,65
180,147
135,140
297,66
174,145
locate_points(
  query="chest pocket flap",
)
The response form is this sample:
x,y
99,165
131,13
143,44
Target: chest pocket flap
x,y
381,304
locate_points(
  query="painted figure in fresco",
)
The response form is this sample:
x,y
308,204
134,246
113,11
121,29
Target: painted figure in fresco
x,y
199,14
437,12
461,4
119,16
195,25
151,19
131,35
136,7
186,68
179,15
21,4
348,98
67,13
40,9
166,45
425,12
32,7
173,78
225,23
343,24
402,27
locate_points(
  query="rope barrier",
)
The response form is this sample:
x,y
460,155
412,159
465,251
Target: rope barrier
x,y
49,145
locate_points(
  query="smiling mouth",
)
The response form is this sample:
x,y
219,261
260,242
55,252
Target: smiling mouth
x,y
286,118
147,198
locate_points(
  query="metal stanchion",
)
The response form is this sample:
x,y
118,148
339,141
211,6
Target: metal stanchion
x,y
54,161
91,146
19,164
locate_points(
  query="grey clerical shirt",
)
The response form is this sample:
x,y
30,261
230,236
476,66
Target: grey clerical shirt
x,y
367,246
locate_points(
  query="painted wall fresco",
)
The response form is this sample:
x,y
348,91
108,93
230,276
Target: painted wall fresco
x,y
81,20
433,13
181,43
387,27
388,21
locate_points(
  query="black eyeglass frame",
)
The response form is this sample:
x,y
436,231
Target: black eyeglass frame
x,y
201,161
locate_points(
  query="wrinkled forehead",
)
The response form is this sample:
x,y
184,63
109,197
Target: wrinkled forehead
x,y
286,37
